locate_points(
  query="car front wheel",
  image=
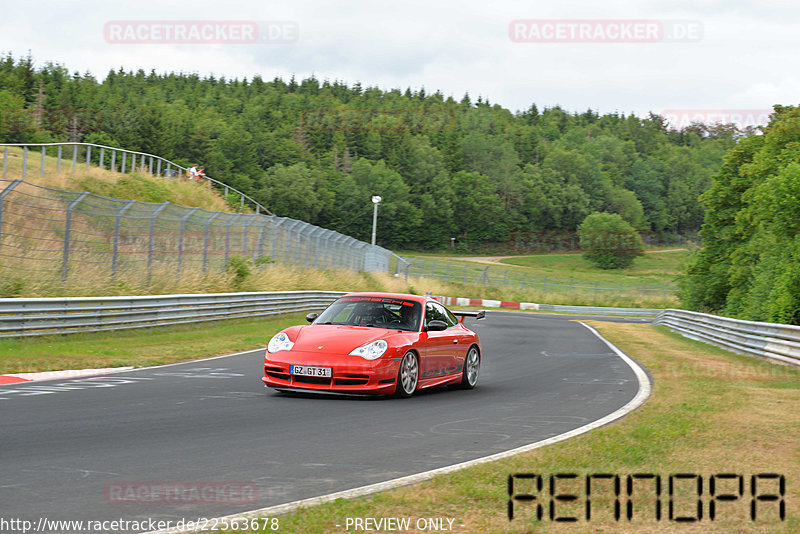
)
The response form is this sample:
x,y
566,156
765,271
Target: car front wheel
x,y
408,375
472,365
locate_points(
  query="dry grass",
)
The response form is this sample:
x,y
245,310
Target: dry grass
x,y
108,183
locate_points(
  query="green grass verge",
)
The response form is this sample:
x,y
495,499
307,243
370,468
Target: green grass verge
x,y
138,347
655,268
710,412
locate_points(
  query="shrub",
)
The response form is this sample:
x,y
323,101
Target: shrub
x,y
609,241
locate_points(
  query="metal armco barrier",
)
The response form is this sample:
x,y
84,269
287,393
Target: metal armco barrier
x,y
766,340
599,310
532,306
43,316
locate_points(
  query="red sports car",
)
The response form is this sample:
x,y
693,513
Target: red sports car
x,y
375,343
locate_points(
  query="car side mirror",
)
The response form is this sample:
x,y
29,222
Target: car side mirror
x,y
311,317
436,326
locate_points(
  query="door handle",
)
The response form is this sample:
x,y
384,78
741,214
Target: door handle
x,y
455,342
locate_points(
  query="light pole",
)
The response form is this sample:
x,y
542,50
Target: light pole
x,y
375,201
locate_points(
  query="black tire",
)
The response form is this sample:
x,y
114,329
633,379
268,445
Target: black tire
x,y
407,375
472,366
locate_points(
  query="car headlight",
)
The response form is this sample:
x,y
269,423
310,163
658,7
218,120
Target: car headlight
x,y
371,351
279,342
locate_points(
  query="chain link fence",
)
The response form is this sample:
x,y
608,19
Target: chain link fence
x,y
51,231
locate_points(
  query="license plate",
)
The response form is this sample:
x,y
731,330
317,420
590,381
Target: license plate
x,y
305,370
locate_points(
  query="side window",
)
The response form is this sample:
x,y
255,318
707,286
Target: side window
x,y
451,319
436,312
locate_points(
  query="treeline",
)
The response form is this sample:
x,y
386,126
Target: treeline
x,y
317,150
750,265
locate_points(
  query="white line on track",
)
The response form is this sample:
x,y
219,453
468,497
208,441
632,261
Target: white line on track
x,y
131,369
641,395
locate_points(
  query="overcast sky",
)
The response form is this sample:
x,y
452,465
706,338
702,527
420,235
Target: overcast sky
x,y
746,55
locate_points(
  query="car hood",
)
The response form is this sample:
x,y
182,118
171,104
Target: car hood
x,y
337,339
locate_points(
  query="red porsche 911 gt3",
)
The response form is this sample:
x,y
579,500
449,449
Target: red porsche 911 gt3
x,y
375,343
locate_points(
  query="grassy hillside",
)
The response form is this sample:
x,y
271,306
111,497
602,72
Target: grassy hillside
x,y
130,186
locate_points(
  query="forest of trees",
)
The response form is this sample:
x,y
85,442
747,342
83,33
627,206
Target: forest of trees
x,y
750,264
317,150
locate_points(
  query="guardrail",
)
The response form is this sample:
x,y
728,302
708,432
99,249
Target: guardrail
x,y
559,308
599,310
766,340
153,164
43,316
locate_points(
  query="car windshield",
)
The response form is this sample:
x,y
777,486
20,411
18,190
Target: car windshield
x,y
380,312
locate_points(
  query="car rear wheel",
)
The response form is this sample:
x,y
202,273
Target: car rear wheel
x,y
408,375
472,365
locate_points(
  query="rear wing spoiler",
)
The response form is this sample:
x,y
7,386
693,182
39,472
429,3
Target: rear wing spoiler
x,y
469,313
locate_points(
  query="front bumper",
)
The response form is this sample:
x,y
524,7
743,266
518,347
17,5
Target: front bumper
x,y
351,374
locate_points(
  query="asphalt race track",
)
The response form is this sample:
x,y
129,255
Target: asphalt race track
x,y
65,445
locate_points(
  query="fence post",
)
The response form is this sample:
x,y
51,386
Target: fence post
x,y
74,157
247,231
58,160
180,238
275,238
117,224
113,161
24,160
102,155
3,194
158,171
205,240
67,231
485,276
124,162
41,165
88,156
289,231
228,237
151,242
133,161
5,160
151,164
258,250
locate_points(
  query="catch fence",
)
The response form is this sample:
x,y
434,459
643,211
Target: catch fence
x,y
52,231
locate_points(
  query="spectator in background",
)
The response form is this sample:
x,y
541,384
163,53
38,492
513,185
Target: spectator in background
x,y
201,173
191,174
